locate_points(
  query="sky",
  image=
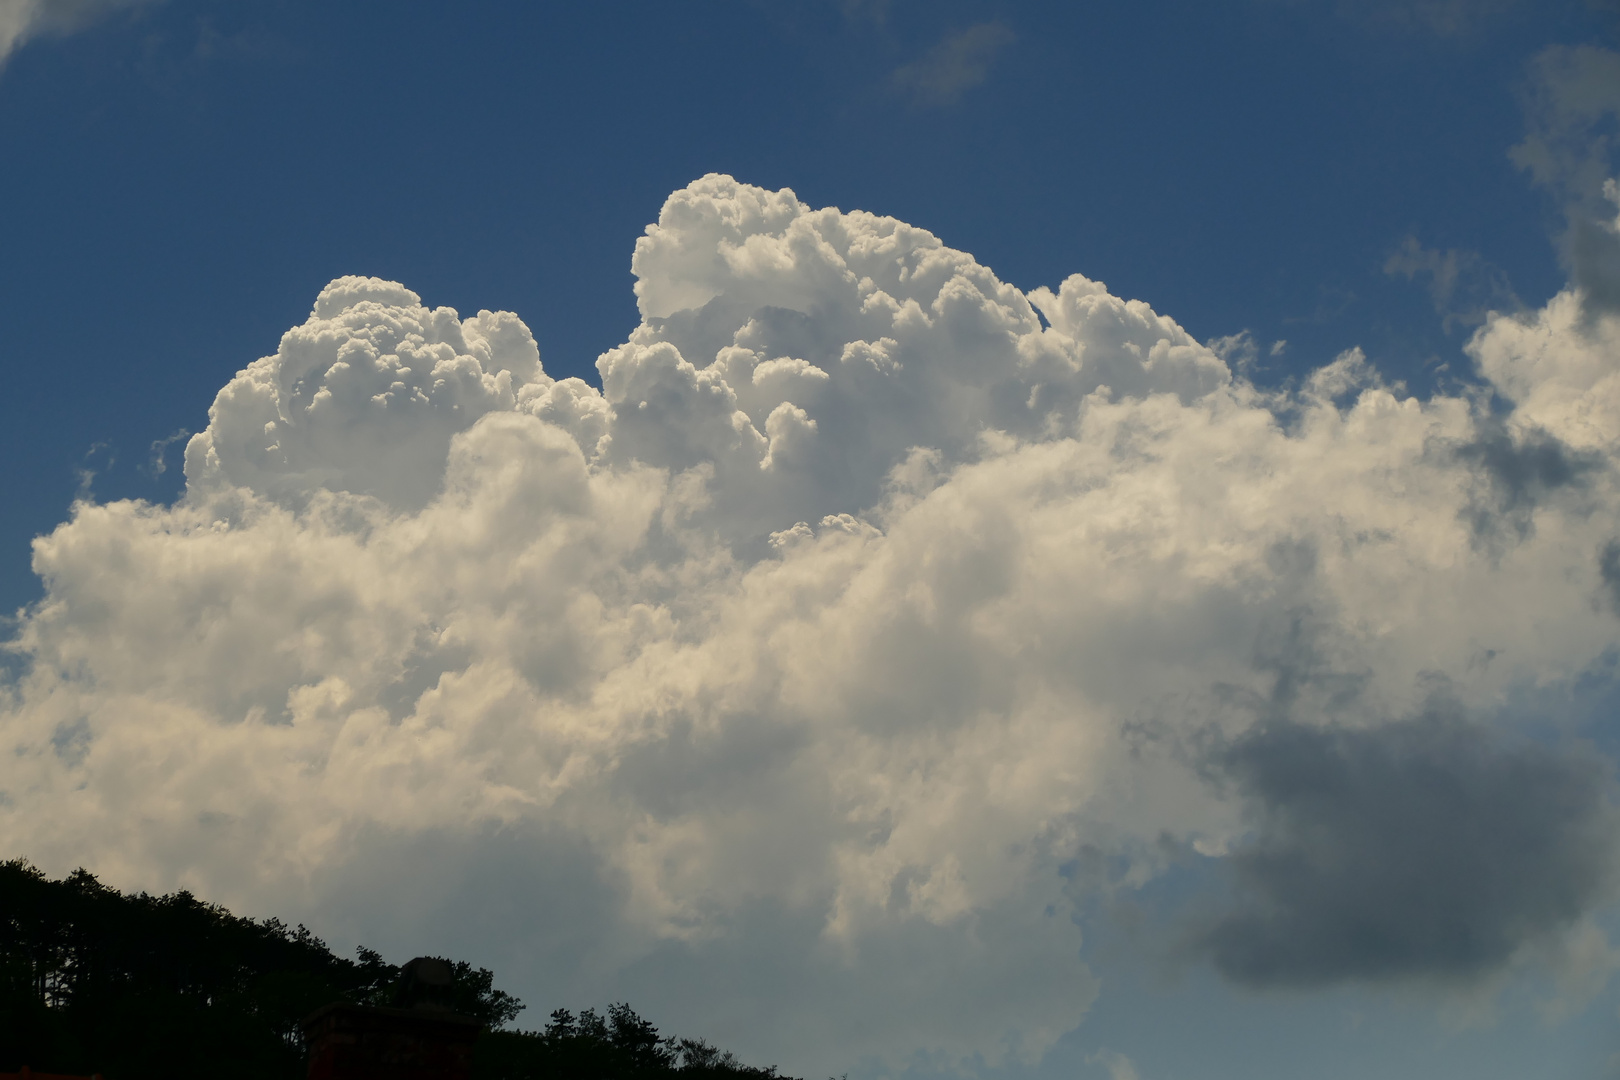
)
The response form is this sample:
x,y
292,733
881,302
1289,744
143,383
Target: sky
x,y
1008,540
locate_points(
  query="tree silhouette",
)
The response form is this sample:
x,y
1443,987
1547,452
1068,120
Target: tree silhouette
x,y
139,986
617,1046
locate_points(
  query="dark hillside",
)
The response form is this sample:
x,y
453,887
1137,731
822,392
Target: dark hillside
x,y
139,986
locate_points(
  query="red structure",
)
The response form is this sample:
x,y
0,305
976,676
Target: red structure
x,y
357,1042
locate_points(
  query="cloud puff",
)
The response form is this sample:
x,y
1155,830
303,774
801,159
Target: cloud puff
x,y
800,658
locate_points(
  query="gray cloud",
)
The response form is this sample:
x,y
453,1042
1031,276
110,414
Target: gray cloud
x,y
1609,571
1421,849
1572,122
955,65
1518,472
1594,259
1570,104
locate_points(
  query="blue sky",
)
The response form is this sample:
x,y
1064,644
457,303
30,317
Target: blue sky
x,y
602,711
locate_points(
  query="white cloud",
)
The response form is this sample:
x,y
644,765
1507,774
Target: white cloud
x,y
22,20
800,661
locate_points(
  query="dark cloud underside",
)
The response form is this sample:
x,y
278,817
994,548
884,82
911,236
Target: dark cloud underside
x,y
1423,849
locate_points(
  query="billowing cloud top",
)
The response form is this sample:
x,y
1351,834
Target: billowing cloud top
x,y
815,656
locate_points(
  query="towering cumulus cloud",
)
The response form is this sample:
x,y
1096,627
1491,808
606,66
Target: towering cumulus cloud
x,y
805,660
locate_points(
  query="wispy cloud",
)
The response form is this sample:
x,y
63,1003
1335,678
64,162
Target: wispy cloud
x,y
955,65
1118,1065
156,463
1464,286
22,20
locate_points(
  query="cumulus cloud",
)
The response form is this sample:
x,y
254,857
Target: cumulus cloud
x,y
21,20
799,659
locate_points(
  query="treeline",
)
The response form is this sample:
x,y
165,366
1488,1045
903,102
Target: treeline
x,y
617,1046
138,986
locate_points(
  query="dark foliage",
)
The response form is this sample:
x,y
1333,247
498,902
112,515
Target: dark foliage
x,y
618,1046
137,987
146,986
